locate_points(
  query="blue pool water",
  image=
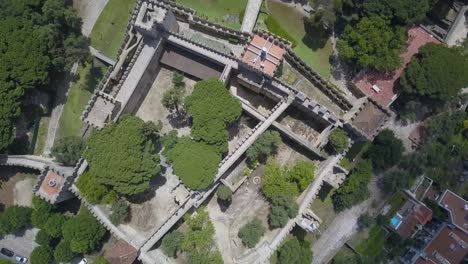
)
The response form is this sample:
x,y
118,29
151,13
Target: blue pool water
x,y
395,221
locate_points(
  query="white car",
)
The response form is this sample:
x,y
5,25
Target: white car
x,y
21,259
83,261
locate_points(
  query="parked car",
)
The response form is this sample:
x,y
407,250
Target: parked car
x,y
83,261
21,259
7,252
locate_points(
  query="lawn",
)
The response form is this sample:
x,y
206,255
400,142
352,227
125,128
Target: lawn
x,y
373,245
323,206
311,50
41,135
78,97
109,31
215,10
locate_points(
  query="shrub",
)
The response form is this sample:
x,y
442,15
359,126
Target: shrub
x,y
275,28
171,243
251,232
43,239
14,218
233,40
41,211
41,255
68,150
110,198
282,208
266,145
338,140
63,252
224,193
275,182
119,212
302,173
90,188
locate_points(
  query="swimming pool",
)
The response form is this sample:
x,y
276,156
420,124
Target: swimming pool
x,y
395,221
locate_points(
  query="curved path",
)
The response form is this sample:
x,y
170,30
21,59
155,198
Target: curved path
x,y
34,162
250,16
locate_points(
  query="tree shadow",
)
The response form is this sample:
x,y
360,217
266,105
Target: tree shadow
x,y
314,38
155,182
179,120
223,205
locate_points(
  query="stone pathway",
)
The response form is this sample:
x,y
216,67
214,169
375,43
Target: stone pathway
x,y
89,11
250,16
60,100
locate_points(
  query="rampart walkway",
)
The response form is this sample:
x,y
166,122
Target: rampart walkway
x,y
99,55
33,162
250,16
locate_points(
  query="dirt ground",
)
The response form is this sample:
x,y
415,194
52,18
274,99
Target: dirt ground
x,y
304,126
258,101
152,109
16,186
247,203
240,130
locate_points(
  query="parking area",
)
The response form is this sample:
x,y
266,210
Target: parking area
x,y
22,243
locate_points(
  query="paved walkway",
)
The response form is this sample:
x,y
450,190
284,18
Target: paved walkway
x,y
60,100
250,16
34,162
459,28
89,11
100,56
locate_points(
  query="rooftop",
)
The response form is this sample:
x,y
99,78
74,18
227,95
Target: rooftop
x,y
448,246
381,86
52,185
370,119
457,208
121,253
263,54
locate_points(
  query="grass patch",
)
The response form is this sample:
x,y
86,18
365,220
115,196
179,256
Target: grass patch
x,y
312,50
79,95
374,244
275,28
109,31
215,10
41,135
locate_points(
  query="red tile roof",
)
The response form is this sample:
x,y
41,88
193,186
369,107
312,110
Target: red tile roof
x,y
121,253
270,63
364,81
413,214
52,184
370,119
450,244
458,209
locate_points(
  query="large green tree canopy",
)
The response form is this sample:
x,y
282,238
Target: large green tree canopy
x,y
37,39
212,107
437,73
122,155
372,43
400,11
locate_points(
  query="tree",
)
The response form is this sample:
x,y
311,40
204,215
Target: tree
x,y
178,80
251,232
212,107
224,193
90,188
63,252
110,198
119,212
83,232
322,21
101,260
122,155
302,173
403,12
41,211
437,73
171,243
275,182
173,99
339,140
14,218
372,43
200,235
41,255
33,49
282,208
43,239
354,189
195,163
294,251
365,221
386,150
68,150
203,257
266,145
53,226
397,181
